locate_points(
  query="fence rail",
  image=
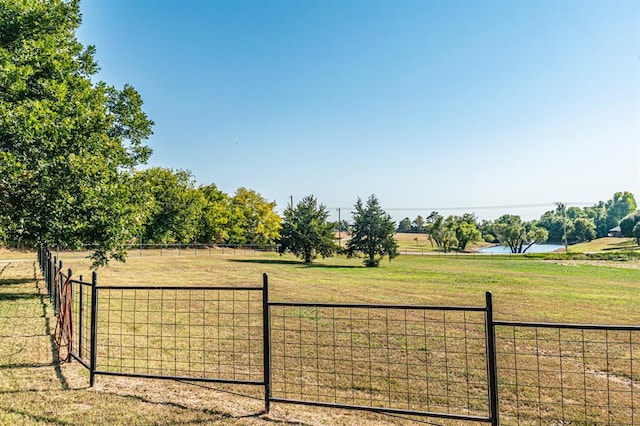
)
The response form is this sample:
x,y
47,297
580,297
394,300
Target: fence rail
x,y
447,362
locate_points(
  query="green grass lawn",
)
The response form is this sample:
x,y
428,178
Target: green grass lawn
x,y
523,289
607,244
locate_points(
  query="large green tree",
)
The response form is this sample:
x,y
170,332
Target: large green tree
x,y
622,204
252,219
372,234
175,207
555,224
598,215
215,215
435,228
306,231
68,145
582,230
519,236
629,222
465,228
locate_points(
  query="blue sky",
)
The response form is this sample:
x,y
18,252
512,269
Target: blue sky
x,y
427,104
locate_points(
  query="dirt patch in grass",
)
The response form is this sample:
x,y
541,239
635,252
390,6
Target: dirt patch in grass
x,y
626,264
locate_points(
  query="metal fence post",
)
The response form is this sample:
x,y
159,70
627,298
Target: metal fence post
x,y
54,285
94,329
266,340
492,364
52,268
49,271
70,312
80,314
58,287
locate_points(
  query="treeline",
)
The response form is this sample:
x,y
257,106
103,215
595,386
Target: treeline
x,y
173,210
71,148
562,225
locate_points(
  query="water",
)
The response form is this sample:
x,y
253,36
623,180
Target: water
x,y
536,248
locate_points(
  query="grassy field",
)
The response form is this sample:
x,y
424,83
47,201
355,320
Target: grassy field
x,y
523,289
604,245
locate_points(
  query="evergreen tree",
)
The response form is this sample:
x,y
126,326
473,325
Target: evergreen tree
x,y
373,233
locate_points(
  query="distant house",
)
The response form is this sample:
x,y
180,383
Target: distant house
x,y
615,232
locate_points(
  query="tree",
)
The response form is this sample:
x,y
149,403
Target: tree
x,y
373,233
465,228
636,233
419,225
215,218
582,230
252,219
405,225
448,239
519,236
435,228
68,146
175,207
488,231
342,226
622,204
306,232
598,215
628,223
553,222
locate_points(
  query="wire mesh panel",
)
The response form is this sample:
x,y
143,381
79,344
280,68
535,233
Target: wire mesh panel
x,y
212,334
567,374
81,319
408,359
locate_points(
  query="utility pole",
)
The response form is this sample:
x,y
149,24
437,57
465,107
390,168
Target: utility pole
x,y
339,229
563,207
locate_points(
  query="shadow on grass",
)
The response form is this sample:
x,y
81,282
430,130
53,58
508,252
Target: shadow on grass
x,y
15,281
18,296
15,366
217,414
621,249
297,263
623,245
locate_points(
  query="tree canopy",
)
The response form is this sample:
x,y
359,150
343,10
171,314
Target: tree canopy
x,y
68,146
372,234
306,232
519,236
176,211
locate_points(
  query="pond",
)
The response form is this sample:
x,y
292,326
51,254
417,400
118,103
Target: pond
x,y
536,248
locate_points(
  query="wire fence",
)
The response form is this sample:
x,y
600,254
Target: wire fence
x,y
443,362
207,334
409,359
192,249
569,373
81,309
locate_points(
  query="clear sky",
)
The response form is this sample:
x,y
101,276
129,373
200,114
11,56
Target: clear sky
x,y
429,104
